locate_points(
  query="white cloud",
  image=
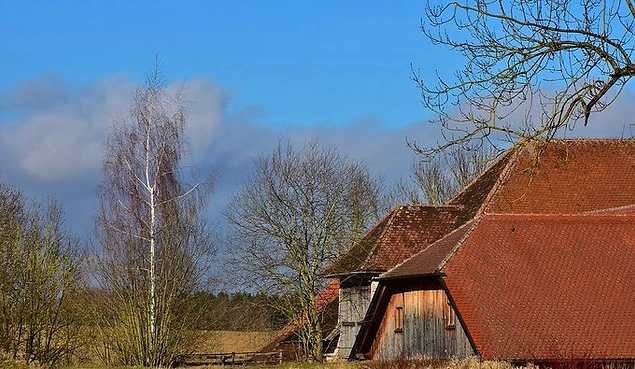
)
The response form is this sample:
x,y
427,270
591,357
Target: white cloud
x,y
205,104
615,121
51,143
54,146
40,93
62,141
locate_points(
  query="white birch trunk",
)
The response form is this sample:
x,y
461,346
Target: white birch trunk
x,y
151,180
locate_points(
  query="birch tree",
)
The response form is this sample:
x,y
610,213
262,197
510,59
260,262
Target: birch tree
x,y
532,68
152,231
298,211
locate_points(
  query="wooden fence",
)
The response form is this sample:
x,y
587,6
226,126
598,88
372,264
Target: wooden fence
x,y
230,359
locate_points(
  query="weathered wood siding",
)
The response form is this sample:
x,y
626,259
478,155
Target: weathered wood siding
x,y
426,330
353,304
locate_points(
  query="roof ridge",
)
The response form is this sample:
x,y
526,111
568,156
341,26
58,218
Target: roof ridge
x,y
425,206
558,215
504,174
475,179
595,139
610,210
472,225
390,219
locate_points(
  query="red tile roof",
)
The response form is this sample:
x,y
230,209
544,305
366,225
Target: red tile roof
x,y
566,177
404,232
538,287
530,281
430,260
410,229
542,179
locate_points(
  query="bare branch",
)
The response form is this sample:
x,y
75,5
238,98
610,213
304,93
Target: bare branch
x,y
517,49
300,209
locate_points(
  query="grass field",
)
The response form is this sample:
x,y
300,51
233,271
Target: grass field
x,y
470,363
209,342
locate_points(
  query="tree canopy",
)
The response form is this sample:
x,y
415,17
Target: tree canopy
x,y
533,68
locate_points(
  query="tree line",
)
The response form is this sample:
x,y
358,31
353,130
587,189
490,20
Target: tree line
x,y
240,311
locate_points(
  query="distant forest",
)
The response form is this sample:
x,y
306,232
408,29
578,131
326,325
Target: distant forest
x,y
239,312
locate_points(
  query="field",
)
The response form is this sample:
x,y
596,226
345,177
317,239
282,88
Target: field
x,y
210,342
207,342
470,363
231,341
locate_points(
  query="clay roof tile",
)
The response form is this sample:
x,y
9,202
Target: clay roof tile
x,y
544,287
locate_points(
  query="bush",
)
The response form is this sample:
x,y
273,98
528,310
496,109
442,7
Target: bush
x,y
7,363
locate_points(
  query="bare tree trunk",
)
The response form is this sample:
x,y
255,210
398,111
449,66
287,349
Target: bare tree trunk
x,y
151,187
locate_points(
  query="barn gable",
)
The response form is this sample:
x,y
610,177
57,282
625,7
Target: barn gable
x,y
414,290
405,231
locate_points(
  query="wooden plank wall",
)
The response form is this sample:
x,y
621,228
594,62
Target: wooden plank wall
x,y
353,304
424,330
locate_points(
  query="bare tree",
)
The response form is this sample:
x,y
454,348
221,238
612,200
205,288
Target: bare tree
x,y
152,231
39,281
298,211
436,181
533,68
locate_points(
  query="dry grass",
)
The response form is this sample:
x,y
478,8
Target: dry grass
x,y
344,365
209,342
470,363
425,363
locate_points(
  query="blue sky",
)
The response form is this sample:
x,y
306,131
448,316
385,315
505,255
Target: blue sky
x,y
253,71
303,63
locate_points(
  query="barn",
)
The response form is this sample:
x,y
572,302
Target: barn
x,y
404,232
537,264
